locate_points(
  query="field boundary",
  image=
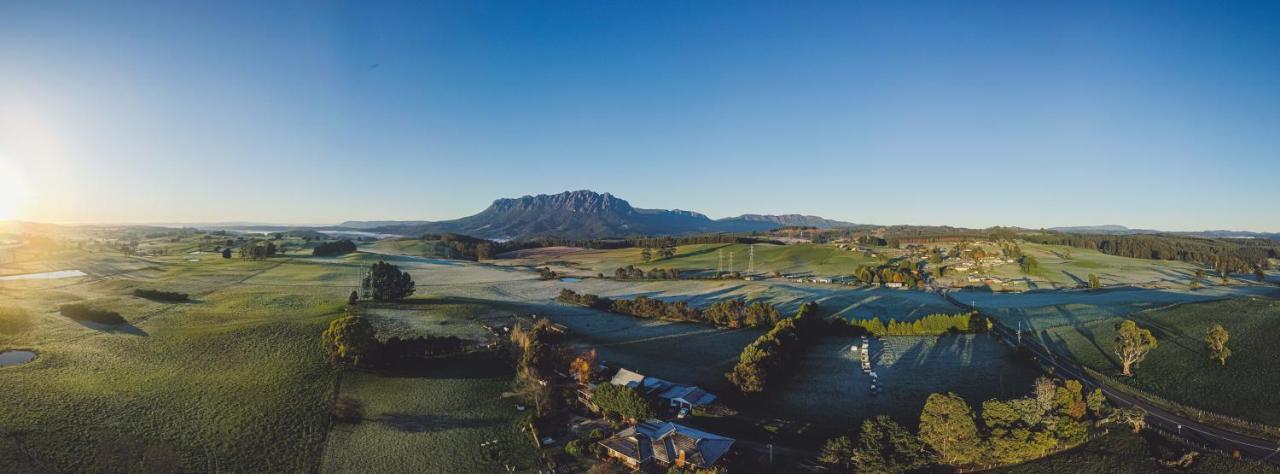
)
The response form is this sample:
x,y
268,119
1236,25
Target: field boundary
x,y
1204,416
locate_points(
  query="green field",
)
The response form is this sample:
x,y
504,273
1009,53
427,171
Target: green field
x,y
1057,271
235,379
457,417
808,259
1179,369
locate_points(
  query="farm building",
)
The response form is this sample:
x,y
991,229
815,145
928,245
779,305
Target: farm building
x,y
676,395
666,444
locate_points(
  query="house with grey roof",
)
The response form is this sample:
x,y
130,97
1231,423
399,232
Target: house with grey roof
x,y
666,444
675,395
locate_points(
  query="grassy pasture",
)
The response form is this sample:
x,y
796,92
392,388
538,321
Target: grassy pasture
x,y
233,380
1044,309
1179,369
436,421
814,259
829,387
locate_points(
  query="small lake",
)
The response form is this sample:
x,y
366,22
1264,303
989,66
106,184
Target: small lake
x,y
570,280
45,276
8,358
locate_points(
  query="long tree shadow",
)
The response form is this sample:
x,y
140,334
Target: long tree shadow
x,y
123,328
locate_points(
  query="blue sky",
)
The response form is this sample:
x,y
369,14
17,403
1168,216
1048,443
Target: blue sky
x,y
1161,114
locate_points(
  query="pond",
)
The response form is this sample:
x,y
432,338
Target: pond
x,y
8,358
45,276
570,280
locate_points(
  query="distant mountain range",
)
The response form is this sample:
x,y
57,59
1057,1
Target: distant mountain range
x,y
588,215
1122,230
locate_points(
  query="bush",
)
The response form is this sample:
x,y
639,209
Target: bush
x,y
81,312
158,295
576,448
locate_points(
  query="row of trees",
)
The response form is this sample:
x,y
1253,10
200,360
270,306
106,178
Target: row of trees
x,y
931,325
1224,255
465,246
729,313
257,250
630,272
1055,416
351,341
904,271
667,250
768,357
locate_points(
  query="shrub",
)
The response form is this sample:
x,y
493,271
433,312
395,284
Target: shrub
x,y
348,341
158,295
576,448
82,312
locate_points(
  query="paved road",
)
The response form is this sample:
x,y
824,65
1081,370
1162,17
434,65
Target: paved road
x,y
1227,441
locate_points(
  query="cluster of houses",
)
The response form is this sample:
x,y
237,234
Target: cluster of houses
x,y
657,443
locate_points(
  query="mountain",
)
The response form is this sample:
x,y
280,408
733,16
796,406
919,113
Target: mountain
x,y
1212,234
1111,229
791,220
589,215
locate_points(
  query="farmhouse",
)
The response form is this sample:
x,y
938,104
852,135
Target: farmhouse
x,y
676,396
666,444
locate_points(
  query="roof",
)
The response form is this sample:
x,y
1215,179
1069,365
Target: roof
x,y
691,394
663,441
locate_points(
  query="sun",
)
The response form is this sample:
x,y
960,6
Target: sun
x,y
13,191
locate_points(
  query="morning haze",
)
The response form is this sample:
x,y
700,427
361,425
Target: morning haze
x,y
609,237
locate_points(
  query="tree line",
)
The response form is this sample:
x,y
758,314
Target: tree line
x,y
768,357
630,272
1224,255
351,341
930,325
728,313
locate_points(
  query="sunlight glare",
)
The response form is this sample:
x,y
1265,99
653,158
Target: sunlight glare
x,y
12,190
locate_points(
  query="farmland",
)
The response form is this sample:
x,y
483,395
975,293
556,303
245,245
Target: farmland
x,y
807,259
234,378
1179,369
